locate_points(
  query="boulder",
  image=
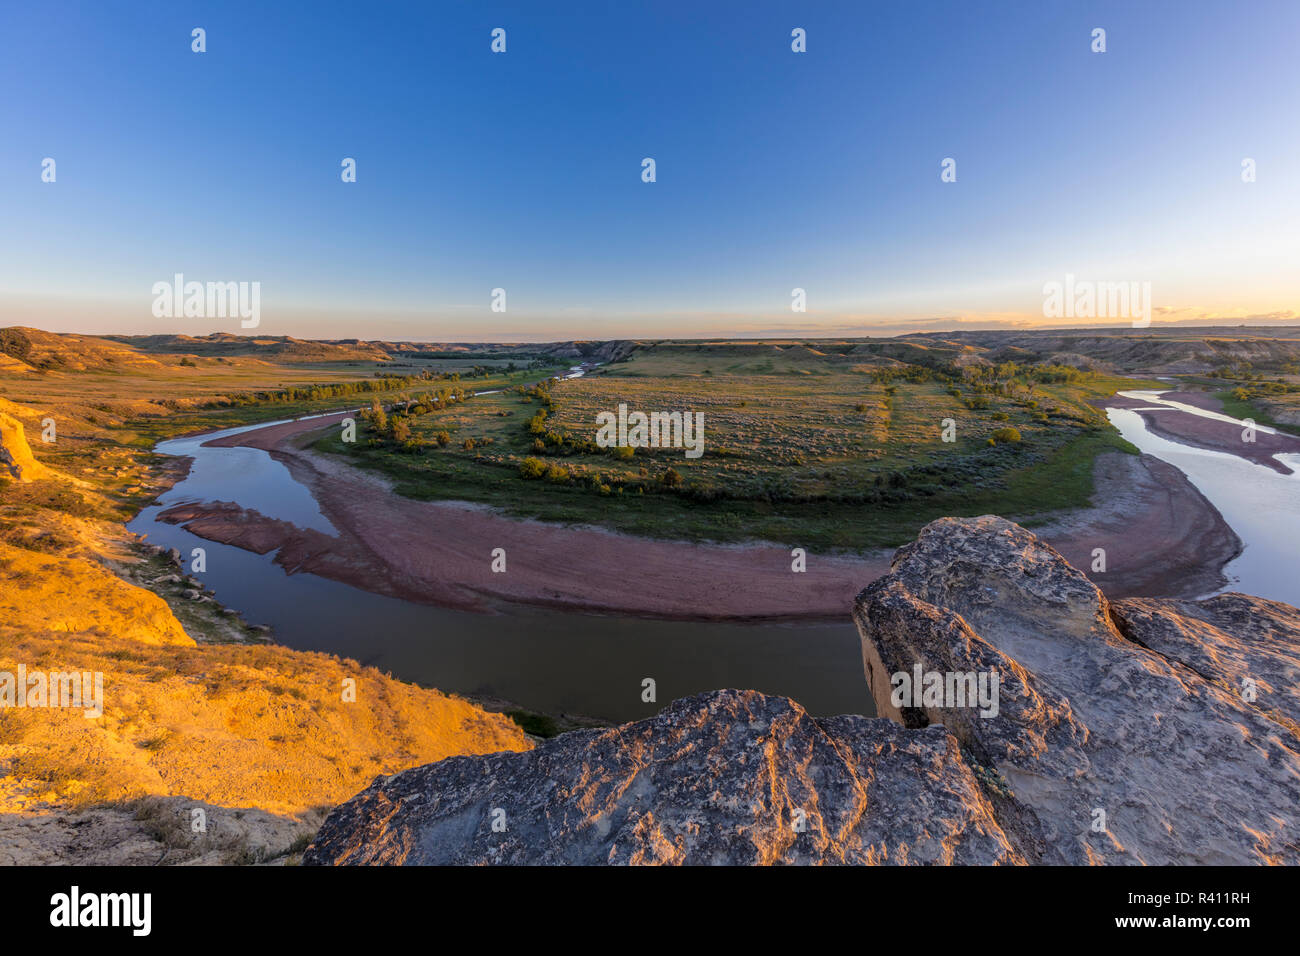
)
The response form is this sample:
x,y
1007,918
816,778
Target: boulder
x,y
1049,726
730,777
1123,729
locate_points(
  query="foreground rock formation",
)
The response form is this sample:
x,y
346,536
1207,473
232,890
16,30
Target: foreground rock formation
x,y
1134,731
1138,731
725,777
16,459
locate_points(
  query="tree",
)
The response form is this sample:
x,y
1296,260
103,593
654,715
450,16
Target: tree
x,y
377,417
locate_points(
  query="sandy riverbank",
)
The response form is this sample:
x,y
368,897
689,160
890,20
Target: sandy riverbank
x,y
1161,537
1209,433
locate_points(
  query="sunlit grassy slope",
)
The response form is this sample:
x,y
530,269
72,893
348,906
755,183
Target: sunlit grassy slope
x,y
237,724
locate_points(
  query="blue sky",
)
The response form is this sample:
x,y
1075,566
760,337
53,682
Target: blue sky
x,y
522,170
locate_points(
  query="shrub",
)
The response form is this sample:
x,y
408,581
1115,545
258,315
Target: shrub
x,y
1005,435
532,468
376,417
15,343
443,439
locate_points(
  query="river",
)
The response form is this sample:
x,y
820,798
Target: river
x,y
593,665
549,661
1258,503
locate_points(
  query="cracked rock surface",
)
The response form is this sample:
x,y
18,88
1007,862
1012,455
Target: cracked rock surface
x,y
1135,731
1130,713
731,776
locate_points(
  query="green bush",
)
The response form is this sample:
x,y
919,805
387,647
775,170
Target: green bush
x,y
532,468
1005,435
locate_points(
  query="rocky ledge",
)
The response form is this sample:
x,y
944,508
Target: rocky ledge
x,y
1133,731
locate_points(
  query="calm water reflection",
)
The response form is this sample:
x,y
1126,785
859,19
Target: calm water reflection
x,y
1262,506
548,661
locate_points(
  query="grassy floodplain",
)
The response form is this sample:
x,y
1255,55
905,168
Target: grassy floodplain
x,y
827,446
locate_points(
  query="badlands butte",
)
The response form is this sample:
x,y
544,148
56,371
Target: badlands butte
x,y
1121,689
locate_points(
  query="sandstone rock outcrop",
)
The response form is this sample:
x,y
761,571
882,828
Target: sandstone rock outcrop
x,y
16,459
724,777
1139,731
1123,730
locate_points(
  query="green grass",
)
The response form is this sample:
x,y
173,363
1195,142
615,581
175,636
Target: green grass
x,y
1252,409
149,431
801,447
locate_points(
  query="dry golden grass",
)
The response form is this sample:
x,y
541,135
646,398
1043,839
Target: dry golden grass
x,y
43,593
229,725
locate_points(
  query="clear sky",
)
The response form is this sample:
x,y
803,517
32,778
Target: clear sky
x,y
522,170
